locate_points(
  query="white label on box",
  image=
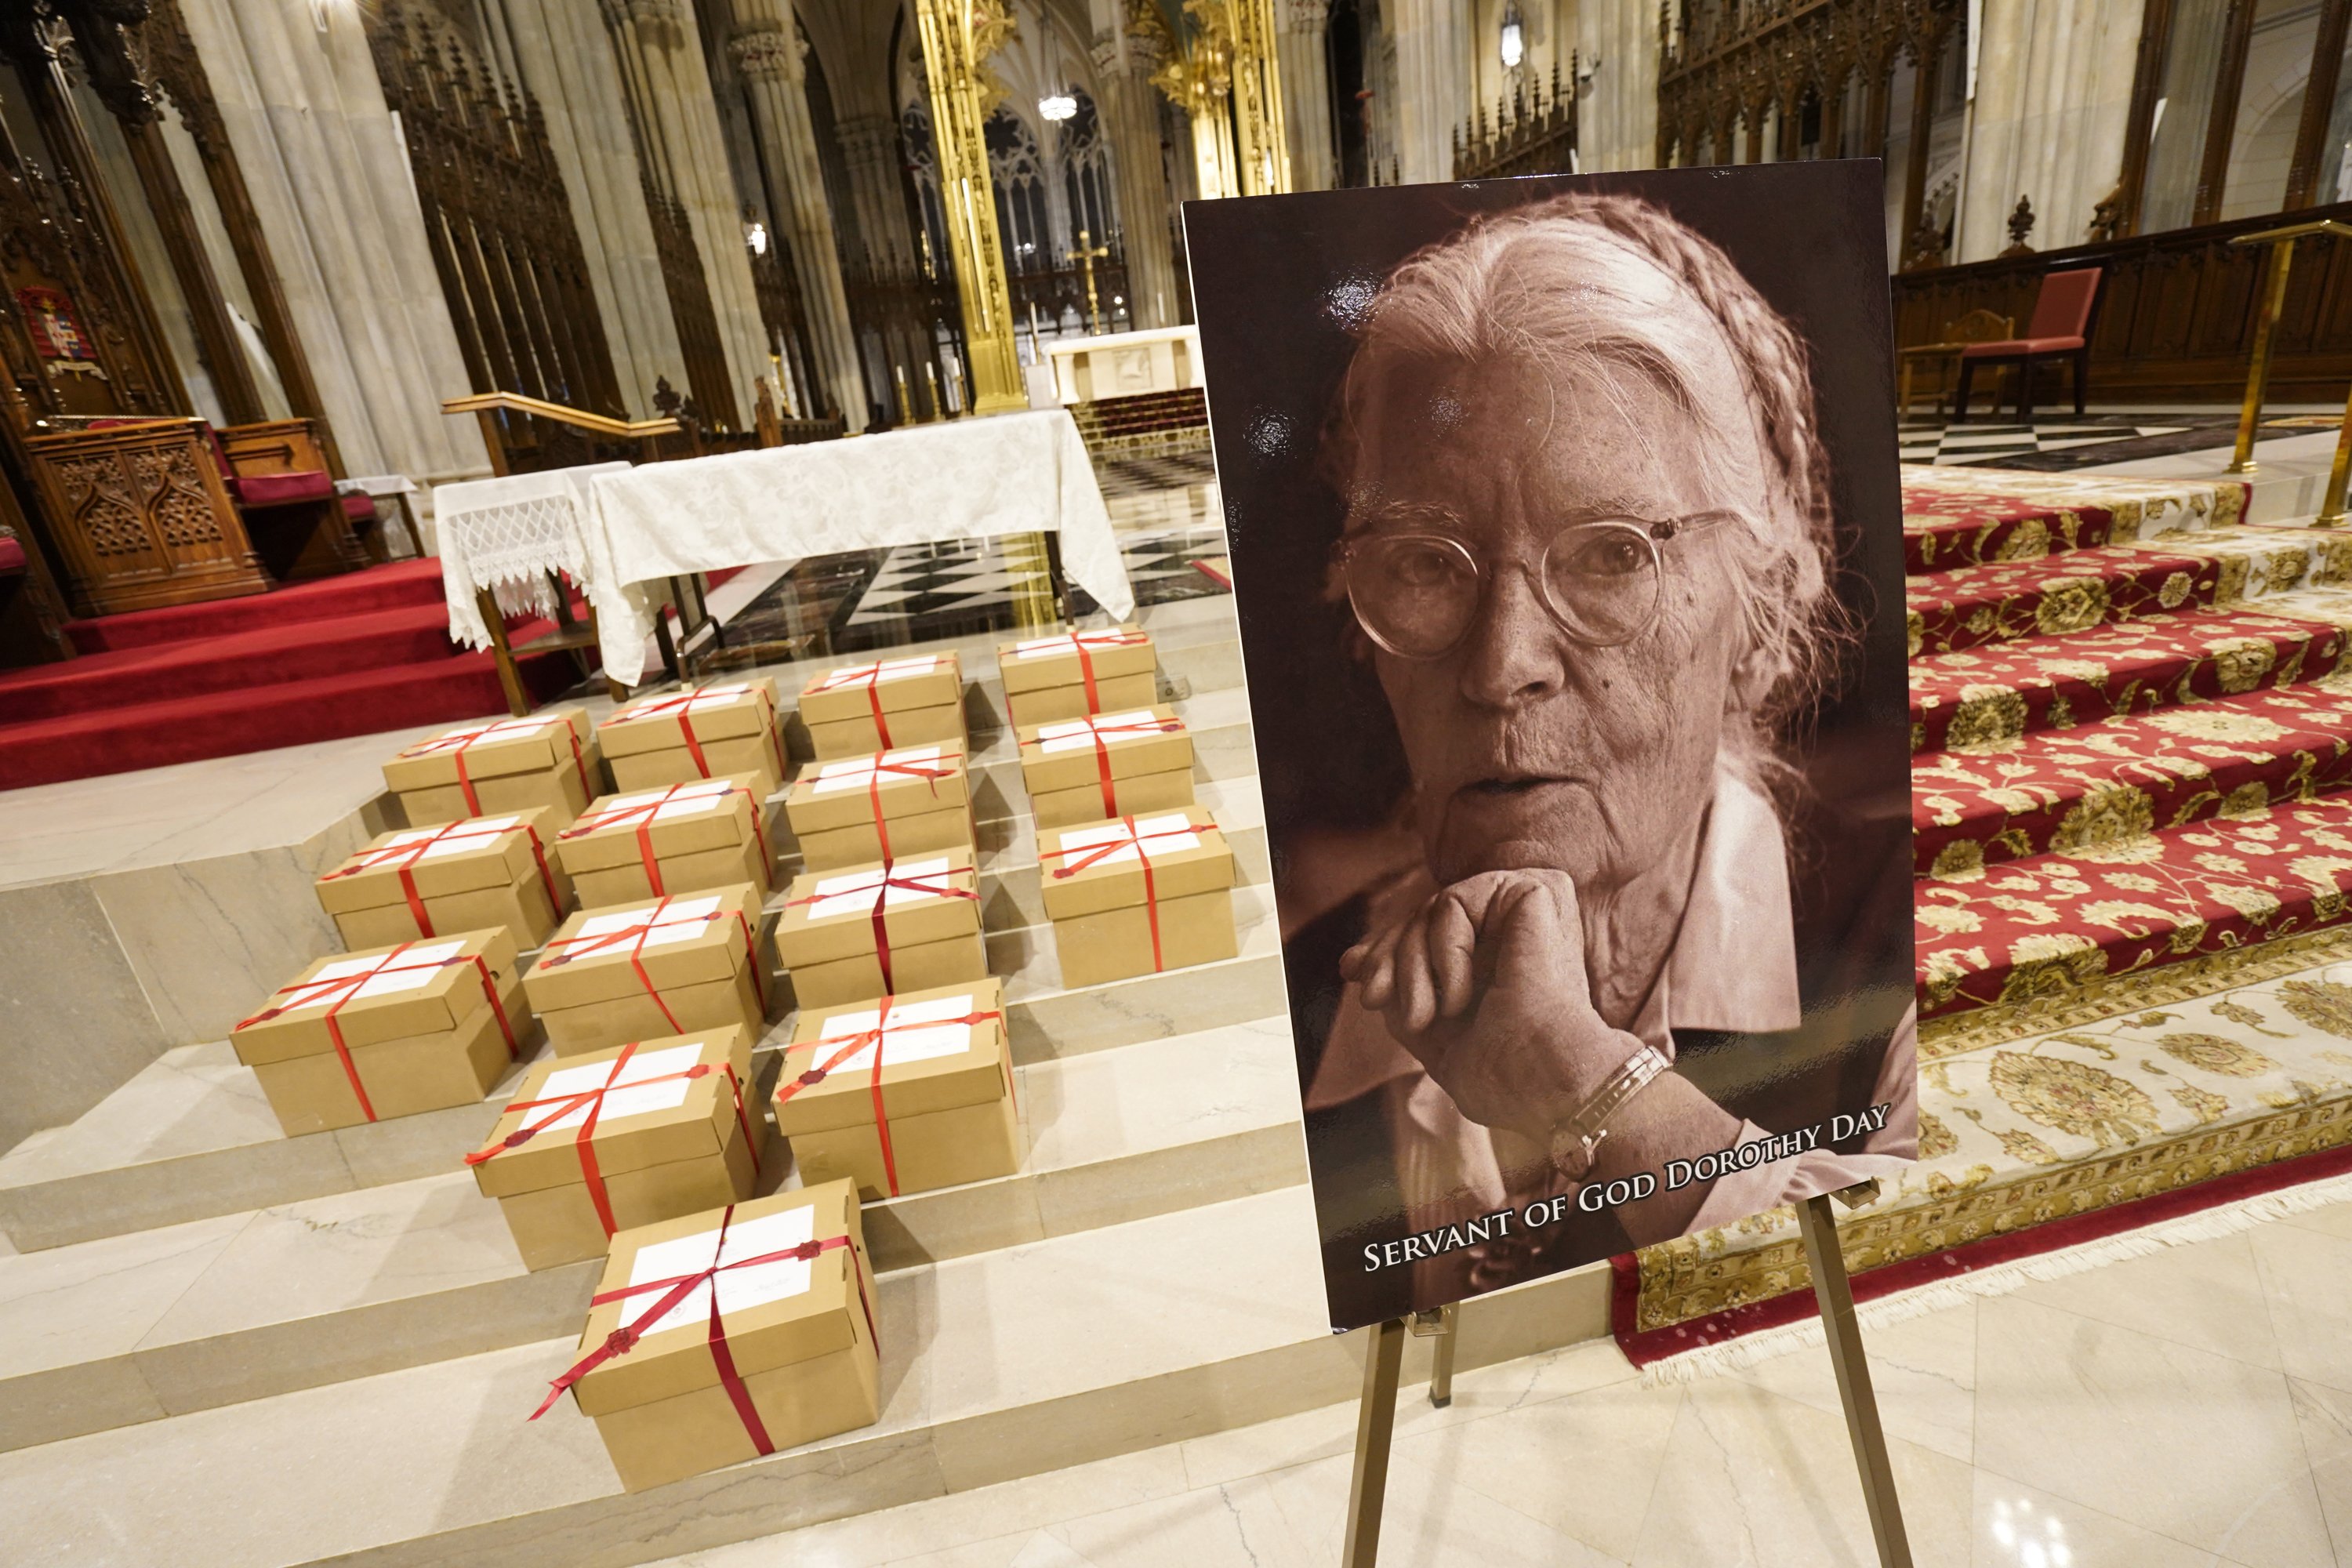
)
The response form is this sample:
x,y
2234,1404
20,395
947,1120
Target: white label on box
x,y
739,1289
677,801
682,920
1078,734
1049,647
914,1034
889,669
1160,835
858,773
413,970
462,839
855,893
675,703
504,729
630,1095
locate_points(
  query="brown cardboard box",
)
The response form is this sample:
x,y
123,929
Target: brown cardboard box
x,y
472,875
634,971
1111,920
870,707
920,793
931,927
652,1131
797,1313
707,732
681,838
546,759
1106,765
414,1027
948,1114
1046,678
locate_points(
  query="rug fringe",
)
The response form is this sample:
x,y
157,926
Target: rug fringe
x,y
1999,1279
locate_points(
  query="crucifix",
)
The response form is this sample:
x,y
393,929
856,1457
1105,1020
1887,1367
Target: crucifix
x,y
1085,255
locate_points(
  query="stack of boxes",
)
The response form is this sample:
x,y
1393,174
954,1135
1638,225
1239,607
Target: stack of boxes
x,y
855,812
870,707
706,732
712,833
513,766
675,965
847,936
476,874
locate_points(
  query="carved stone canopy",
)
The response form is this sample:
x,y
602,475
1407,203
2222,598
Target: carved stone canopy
x,y
764,51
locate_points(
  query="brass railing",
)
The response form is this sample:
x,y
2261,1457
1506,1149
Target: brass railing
x,y
490,407
2281,242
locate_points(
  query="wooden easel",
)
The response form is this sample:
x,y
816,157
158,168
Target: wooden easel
x,y
1376,1417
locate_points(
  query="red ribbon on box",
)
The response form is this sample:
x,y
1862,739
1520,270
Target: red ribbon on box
x,y
870,677
576,948
849,1045
1082,642
876,768
406,856
343,987
459,742
1102,747
642,815
881,895
1093,854
676,1289
593,1099
680,706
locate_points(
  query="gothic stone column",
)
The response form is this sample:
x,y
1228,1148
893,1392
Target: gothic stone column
x,y
1306,91
1124,62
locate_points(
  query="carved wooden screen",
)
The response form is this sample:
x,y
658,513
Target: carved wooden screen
x,y
689,297
496,214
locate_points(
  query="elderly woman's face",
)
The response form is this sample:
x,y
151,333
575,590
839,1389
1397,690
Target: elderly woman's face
x,y
1528,748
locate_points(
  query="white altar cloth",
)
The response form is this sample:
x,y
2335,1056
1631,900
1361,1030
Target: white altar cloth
x,y
971,479
506,534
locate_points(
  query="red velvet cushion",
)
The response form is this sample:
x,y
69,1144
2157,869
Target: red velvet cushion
x,y
12,557
359,506
2017,348
284,490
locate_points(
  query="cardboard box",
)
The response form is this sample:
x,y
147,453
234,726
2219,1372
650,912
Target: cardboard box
x,y
855,935
796,1318
870,707
591,1145
682,838
1137,896
416,1026
1106,765
888,807
707,732
1077,673
634,971
939,1065
471,875
544,760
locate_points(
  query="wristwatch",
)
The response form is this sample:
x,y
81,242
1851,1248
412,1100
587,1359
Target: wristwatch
x,y
1576,1142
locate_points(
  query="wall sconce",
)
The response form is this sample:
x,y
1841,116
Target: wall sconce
x,y
755,234
1514,41
1056,107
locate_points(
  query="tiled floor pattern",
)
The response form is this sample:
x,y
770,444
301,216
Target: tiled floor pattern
x,y
2059,441
2192,1409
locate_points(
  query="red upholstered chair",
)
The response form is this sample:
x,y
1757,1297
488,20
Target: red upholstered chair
x,y
2060,329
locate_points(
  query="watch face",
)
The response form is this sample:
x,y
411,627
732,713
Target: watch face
x,y
1568,554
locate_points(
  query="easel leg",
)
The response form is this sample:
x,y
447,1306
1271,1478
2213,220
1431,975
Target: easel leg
x,y
1818,1224
1375,1423
1439,1325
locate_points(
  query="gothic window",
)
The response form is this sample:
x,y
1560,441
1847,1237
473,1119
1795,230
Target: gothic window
x,y
1086,173
1018,169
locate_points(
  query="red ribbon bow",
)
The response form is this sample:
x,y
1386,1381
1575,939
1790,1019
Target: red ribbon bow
x,y
1077,860
1095,732
406,856
575,948
642,814
594,1099
343,987
460,741
849,1046
624,1340
888,879
680,705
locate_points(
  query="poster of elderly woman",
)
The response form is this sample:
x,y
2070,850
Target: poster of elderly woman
x,y
1567,548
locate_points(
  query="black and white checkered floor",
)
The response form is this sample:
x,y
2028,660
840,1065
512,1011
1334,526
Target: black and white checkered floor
x,y
2056,443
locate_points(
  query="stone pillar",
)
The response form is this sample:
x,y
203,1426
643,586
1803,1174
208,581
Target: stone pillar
x,y
2054,92
768,54
869,147
1306,91
1617,111
1129,106
662,62
566,60
300,104
1432,85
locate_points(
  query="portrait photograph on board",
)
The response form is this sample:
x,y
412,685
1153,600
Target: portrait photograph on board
x,y
1567,546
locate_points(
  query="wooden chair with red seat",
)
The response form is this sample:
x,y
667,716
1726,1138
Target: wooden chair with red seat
x,y
299,526
2059,329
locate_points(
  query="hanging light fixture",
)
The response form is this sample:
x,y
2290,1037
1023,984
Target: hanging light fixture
x,y
1514,41
1056,107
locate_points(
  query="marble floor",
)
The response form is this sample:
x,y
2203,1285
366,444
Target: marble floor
x,y
2192,1409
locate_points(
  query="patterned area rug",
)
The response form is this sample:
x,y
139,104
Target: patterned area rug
x,y
2132,820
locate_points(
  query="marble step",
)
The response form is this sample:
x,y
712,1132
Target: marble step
x,y
162,1322
994,1366
191,1136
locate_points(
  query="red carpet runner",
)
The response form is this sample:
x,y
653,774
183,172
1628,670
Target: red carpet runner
x,y
346,656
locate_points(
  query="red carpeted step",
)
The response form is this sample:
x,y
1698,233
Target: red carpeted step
x,y
268,656
2073,789
1941,531
261,718
2046,926
1990,696
1972,605
403,583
